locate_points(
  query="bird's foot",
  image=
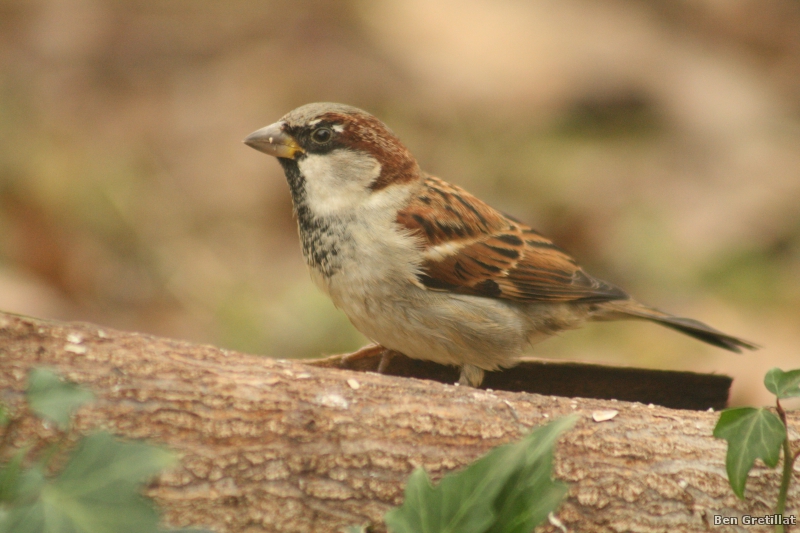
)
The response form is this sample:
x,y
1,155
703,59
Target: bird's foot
x,y
349,360
370,350
386,358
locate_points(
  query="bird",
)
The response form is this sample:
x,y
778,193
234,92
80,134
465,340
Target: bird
x,y
424,268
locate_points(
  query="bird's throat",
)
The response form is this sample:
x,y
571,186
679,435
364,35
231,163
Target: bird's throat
x,y
316,232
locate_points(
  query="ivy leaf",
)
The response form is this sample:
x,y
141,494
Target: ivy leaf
x,y
11,476
53,399
27,488
97,492
510,487
783,384
751,434
425,511
530,494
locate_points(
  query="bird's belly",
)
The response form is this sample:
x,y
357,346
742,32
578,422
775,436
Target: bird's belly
x,y
440,327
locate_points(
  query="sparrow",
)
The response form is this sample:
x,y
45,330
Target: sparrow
x,y
421,266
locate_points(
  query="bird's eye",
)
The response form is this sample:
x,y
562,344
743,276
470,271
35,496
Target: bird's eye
x,y
321,135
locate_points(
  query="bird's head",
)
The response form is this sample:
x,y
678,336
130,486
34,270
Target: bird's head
x,y
339,153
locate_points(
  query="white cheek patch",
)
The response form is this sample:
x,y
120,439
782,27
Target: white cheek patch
x,y
338,181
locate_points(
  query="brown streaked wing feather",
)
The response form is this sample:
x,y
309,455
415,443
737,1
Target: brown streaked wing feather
x,y
445,213
473,249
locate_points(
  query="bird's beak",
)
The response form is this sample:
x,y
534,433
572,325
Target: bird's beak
x,y
273,141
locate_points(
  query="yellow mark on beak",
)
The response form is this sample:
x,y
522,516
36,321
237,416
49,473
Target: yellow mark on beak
x,y
273,141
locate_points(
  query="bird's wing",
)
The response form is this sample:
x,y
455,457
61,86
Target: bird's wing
x,y
470,248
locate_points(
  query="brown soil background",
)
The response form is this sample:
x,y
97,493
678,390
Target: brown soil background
x,y
657,141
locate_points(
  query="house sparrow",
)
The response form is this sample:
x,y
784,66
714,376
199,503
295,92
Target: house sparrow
x,y
421,266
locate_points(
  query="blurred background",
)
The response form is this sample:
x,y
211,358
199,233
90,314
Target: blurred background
x,y
657,141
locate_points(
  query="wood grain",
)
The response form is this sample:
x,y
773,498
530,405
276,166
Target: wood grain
x,y
269,446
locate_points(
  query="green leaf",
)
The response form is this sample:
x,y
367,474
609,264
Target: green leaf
x,y
423,509
27,491
11,477
530,494
751,434
53,399
527,500
783,384
509,490
97,492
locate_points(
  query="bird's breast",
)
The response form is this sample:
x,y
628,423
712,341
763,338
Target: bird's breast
x,y
326,244
350,237
359,258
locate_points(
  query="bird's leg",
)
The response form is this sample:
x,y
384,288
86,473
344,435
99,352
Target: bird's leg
x,y
386,358
370,350
471,376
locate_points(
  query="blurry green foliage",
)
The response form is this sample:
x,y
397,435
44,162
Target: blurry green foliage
x,y
50,398
615,115
783,384
765,275
302,323
96,492
98,489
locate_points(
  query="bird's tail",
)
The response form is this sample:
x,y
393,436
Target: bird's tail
x,y
628,309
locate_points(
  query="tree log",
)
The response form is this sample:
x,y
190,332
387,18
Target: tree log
x,y
281,446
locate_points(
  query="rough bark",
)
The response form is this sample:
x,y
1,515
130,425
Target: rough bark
x,y
270,445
